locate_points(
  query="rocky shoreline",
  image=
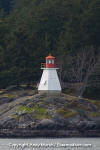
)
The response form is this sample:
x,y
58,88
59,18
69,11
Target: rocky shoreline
x,y
23,133
25,114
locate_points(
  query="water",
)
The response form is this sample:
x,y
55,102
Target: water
x,y
50,144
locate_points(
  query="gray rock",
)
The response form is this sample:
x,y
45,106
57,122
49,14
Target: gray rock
x,y
46,124
26,102
86,125
82,113
55,100
74,119
12,117
5,100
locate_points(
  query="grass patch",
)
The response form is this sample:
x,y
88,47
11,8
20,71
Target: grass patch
x,y
10,96
67,113
96,102
70,91
44,99
39,113
25,109
41,116
35,108
94,114
84,107
87,108
15,116
41,110
68,97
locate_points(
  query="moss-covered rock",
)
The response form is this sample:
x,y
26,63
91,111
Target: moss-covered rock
x,y
66,113
27,111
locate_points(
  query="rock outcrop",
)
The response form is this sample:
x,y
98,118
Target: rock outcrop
x,y
24,113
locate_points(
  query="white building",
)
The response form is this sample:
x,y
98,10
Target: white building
x,y
49,81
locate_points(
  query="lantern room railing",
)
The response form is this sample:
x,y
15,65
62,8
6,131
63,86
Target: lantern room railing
x,y
43,65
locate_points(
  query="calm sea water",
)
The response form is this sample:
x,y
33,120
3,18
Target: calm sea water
x,y
50,144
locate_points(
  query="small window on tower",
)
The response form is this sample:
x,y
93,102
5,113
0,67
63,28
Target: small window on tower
x,y
50,61
47,61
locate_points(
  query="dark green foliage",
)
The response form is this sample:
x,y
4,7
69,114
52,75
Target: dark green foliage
x,y
6,5
35,28
92,93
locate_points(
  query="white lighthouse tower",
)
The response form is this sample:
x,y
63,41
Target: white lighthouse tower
x,y
49,82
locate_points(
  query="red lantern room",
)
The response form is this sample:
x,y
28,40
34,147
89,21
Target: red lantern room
x,y
49,82
50,61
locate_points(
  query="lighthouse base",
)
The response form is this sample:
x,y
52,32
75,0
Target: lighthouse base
x,y
50,92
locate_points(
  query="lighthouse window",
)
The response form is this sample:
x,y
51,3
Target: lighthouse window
x,y
46,61
50,61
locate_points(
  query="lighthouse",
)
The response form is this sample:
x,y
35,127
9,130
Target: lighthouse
x,y
49,82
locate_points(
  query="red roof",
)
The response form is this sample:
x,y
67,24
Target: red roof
x,y
50,57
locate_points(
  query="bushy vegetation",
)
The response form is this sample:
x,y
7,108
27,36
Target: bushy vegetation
x,y
34,28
